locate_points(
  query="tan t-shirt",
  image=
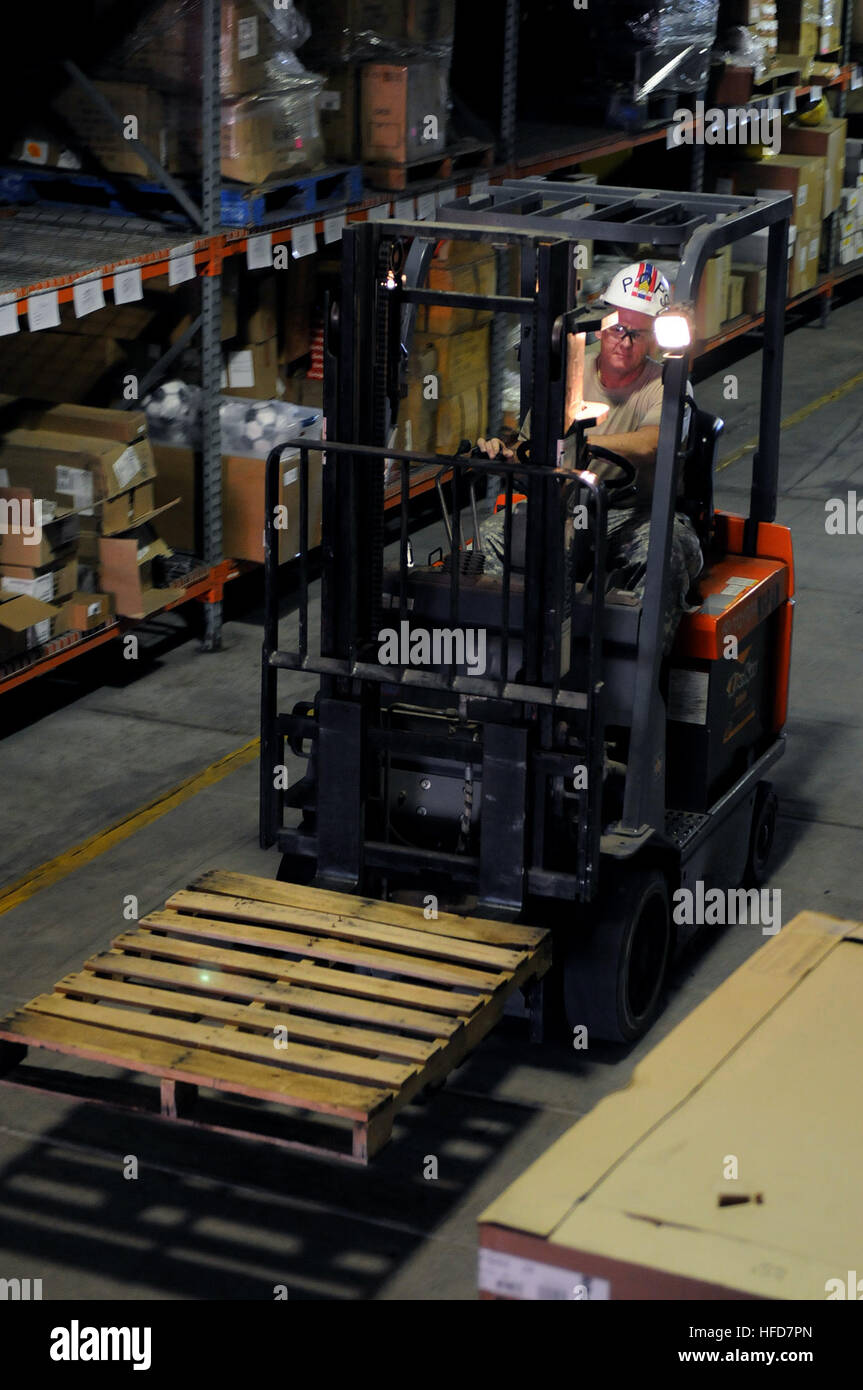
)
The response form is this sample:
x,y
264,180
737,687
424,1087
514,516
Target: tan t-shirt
x,y
630,407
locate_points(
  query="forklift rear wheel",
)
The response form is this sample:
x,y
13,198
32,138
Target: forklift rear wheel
x,y
762,834
614,975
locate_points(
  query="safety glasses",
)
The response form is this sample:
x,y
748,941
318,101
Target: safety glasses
x,y
635,335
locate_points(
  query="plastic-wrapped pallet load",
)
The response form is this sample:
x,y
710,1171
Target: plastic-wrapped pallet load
x,y
657,46
270,102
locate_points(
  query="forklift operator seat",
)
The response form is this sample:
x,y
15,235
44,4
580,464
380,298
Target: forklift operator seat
x,y
699,463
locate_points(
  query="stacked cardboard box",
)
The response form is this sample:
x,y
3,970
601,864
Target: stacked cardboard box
x,y
270,124
759,17
404,111
803,176
850,246
448,386
243,479
95,472
799,22
380,117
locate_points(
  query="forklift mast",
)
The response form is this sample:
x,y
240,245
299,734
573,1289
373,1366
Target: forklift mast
x,y
505,818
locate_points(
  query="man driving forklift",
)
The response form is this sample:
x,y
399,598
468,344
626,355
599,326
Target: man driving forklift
x,y
620,374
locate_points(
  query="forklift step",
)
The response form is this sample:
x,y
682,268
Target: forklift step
x,y
335,1009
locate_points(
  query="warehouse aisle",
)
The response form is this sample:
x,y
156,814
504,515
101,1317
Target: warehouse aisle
x,y
186,1228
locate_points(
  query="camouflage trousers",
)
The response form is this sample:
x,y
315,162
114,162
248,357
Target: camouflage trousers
x,y
626,559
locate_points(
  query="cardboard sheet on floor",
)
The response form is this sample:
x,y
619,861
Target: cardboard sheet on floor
x,y
767,1069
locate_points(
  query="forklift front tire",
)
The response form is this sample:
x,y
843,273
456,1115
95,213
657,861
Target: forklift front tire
x,y
761,835
613,976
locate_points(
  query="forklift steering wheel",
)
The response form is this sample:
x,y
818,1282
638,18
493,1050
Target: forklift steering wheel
x,y
619,488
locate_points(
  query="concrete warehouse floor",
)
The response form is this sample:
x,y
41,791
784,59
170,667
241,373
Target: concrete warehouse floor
x,y
220,1218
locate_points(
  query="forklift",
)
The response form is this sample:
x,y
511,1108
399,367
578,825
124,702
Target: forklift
x,y
582,777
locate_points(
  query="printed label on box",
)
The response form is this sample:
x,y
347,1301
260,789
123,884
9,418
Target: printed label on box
x,y
331,101
93,609
515,1277
802,195
42,587
290,477
127,466
241,368
247,37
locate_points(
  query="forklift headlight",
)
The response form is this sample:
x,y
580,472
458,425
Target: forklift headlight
x,y
672,330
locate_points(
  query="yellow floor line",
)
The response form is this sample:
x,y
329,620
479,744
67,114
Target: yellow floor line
x,y
802,414
72,859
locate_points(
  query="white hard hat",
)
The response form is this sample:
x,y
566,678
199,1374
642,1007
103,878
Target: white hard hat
x,y
641,287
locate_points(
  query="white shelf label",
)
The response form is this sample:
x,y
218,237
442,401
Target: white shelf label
x,y
814,93
790,102
87,296
8,317
380,213
259,251
404,210
333,227
856,77
479,184
426,205
181,265
43,310
303,240
128,285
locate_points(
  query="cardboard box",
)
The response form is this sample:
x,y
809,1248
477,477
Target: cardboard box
x,y
25,623
632,1203
398,100
754,279
83,612
734,305
122,426
753,249
803,269
456,360
178,470
129,99
713,295
798,29
242,502
461,416
477,276
340,114
29,542
800,175
247,47
244,511
58,366
271,134
50,583
84,467
826,141
132,508
129,569
252,371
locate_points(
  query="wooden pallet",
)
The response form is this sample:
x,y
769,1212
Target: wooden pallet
x,y
338,1009
467,156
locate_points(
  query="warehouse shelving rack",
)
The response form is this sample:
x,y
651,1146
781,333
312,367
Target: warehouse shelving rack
x,y
119,243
